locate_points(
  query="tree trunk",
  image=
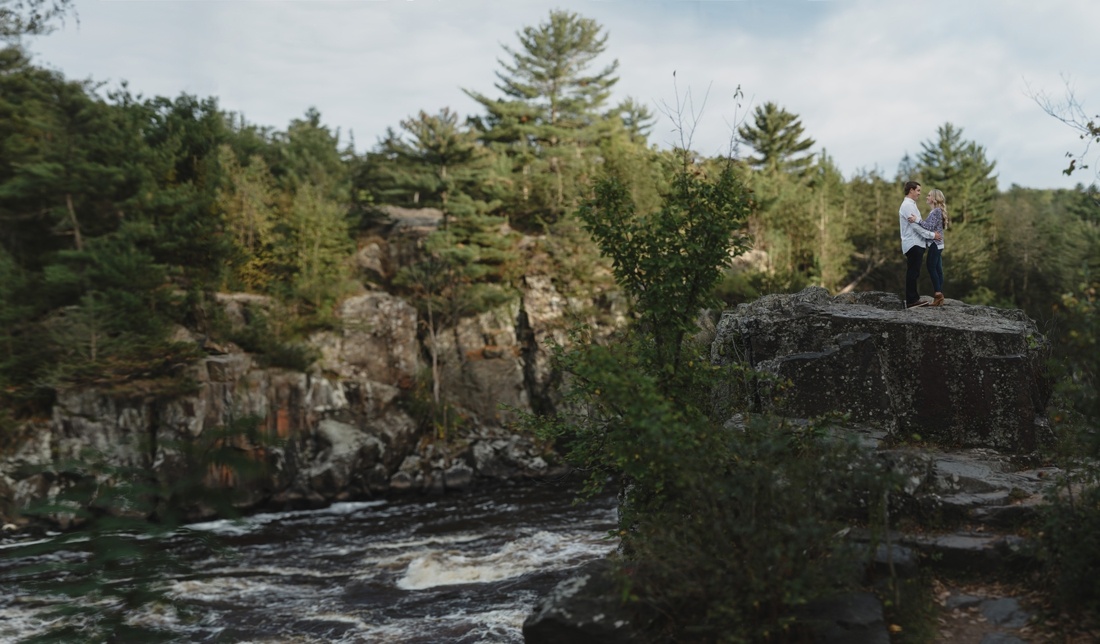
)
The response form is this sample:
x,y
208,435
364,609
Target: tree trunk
x,y
75,223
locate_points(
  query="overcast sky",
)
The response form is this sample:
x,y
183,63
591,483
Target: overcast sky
x,y
870,79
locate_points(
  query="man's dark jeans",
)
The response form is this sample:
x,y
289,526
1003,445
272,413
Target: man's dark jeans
x,y
913,259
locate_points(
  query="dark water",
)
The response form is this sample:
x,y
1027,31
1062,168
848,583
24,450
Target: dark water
x,y
463,567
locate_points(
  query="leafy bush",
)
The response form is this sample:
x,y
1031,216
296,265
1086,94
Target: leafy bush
x,y
1070,536
270,344
727,523
753,531
1070,541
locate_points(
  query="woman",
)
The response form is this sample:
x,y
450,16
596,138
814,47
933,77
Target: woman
x,y
936,221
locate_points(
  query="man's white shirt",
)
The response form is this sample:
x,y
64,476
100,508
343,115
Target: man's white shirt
x,y
911,233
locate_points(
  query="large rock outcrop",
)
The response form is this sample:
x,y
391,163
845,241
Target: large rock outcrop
x,y
346,428
957,374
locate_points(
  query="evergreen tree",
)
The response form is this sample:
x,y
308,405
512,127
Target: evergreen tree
x,y
1084,203
548,73
451,280
550,116
1040,250
309,152
784,226
178,156
19,359
27,17
66,161
907,170
874,201
777,137
635,119
435,162
624,153
959,169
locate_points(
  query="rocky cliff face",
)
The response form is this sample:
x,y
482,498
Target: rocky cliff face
x,y
957,374
344,429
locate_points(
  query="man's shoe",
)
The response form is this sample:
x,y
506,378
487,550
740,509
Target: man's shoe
x,y
913,305
937,299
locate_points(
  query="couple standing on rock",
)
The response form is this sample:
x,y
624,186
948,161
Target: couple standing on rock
x,y
919,234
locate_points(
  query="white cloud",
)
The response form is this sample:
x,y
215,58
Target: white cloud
x,y
870,79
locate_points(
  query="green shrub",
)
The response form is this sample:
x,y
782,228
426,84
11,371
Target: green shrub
x,y
268,342
727,523
751,531
1070,541
1070,529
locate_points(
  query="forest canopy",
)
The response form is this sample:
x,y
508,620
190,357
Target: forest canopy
x,y
121,215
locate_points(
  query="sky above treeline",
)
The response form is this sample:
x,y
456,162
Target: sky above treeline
x,y
870,79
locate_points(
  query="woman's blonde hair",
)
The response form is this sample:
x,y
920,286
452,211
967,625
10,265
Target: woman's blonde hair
x,y
938,201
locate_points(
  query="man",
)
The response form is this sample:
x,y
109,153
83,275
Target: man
x,y
914,240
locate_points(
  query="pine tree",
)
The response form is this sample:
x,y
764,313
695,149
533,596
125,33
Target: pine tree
x,y
550,116
635,119
959,169
1084,203
784,225
309,152
28,17
777,137
875,252
451,280
178,157
434,161
66,161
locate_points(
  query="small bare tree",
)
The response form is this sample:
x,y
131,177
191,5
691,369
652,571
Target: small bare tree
x,y
1070,111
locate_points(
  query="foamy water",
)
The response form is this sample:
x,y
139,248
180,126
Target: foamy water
x,y
458,568
519,557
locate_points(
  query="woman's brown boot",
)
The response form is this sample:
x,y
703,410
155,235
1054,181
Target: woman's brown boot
x,y
937,299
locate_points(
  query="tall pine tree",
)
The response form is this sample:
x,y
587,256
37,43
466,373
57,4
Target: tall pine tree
x,y
551,112
778,138
959,169
435,162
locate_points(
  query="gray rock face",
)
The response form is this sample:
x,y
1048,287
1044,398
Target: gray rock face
x,y
855,618
344,428
583,609
1006,612
958,374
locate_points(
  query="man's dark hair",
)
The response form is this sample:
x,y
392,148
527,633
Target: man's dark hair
x,y
909,185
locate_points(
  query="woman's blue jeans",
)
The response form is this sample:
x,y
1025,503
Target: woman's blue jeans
x,y
935,267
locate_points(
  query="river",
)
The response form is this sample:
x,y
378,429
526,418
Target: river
x,y
458,568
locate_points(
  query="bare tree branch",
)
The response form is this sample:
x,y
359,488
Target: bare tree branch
x,y
1068,110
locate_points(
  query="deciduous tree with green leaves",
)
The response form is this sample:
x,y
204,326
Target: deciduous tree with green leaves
x,y
724,529
247,201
